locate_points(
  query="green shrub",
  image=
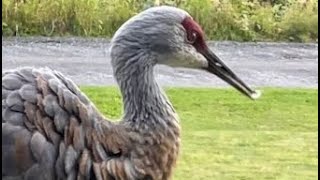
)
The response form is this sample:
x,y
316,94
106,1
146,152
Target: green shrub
x,y
240,20
300,22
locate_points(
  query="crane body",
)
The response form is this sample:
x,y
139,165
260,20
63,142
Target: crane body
x,y
51,130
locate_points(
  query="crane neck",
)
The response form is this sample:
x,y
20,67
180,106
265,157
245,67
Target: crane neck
x,y
145,103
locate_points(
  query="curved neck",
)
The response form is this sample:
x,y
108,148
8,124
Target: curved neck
x,y
144,101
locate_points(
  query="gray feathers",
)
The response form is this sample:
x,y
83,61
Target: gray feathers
x,y
38,106
59,134
51,130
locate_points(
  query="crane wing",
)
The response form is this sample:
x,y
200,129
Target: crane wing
x,y
40,112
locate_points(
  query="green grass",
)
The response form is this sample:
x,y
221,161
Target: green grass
x,y
227,136
239,20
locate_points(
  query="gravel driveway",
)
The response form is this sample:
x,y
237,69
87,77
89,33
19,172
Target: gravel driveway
x,y
86,61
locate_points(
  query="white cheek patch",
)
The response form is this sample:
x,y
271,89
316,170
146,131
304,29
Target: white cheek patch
x,y
188,58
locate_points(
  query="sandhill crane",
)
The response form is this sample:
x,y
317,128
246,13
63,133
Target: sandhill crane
x,y
51,130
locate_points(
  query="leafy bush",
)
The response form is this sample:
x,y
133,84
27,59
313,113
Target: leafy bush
x,y
240,20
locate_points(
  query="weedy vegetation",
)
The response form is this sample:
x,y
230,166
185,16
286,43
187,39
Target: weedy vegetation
x,y
239,20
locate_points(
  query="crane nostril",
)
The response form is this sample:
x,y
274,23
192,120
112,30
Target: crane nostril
x,y
218,64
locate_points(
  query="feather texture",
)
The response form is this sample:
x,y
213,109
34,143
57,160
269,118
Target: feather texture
x,y
51,130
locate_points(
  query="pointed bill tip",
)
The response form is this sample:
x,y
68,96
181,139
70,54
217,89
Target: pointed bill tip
x,y
256,95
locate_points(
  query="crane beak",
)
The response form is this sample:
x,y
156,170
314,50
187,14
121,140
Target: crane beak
x,y
217,67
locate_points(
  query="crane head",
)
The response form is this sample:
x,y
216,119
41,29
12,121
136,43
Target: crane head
x,y
170,36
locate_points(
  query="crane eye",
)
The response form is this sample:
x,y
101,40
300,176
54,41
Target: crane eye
x,y
192,37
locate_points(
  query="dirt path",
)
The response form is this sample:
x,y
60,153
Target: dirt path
x,y
87,62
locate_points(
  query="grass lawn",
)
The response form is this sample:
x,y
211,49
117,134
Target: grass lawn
x,y
228,136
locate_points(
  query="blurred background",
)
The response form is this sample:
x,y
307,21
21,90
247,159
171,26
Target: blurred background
x,y
270,44
237,20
